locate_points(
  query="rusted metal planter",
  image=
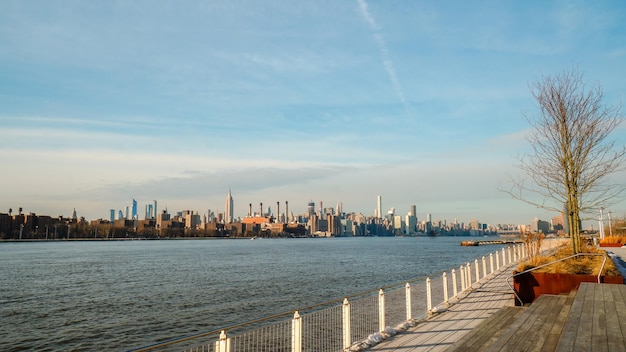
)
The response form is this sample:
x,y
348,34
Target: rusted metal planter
x,y
531,285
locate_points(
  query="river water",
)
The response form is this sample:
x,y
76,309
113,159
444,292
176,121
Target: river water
x,y
119,295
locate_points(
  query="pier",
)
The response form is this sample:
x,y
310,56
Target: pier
x,y
484,243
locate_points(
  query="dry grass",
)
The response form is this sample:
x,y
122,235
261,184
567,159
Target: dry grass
x,y
586,265
613,240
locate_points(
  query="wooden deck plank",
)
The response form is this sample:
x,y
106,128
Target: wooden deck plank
x,y
613,332
537,314
619,298
599,339
531,331
487,332
555,332
538,333
585,321
570,329
598,317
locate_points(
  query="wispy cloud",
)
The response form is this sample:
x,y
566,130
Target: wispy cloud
x,y
384,52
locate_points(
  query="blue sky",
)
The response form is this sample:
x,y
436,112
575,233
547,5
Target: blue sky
x,y
420,102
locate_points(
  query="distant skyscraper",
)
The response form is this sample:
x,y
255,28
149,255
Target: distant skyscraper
x,y
112,216
134,214
412,211
228,209
311,208
379,207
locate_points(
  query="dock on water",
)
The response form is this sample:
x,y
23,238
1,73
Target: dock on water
x,y
484,243
590,318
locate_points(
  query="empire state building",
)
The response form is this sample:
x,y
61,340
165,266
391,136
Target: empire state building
x,y
228,212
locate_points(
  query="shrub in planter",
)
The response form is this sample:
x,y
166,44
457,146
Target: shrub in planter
x,y
613,241
563,276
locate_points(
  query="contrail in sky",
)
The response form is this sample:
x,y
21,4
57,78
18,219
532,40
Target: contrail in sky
x,y
382,46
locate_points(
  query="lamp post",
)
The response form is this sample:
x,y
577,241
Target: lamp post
x,y
601,224
610,227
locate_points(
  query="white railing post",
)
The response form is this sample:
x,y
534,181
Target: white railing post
x,y
497,260
381,310
445,287
477,270
223,344
484,267
509,253
468,272
503,256
409,315
296,333
491,263
429,301
454,289
462,274
345,315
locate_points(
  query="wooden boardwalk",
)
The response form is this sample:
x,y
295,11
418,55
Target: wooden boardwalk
x,y
443,330
593,318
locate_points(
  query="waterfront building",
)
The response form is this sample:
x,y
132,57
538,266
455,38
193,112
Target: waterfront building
x,y
398,224
558,223
347,227
411,224
192,221
540,226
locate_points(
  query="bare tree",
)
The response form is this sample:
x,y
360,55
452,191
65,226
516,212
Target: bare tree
x,y
572,157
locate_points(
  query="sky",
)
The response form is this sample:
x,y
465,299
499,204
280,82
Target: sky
x,y
420,102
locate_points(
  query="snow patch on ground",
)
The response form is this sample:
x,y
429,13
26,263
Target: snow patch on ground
x,y
379,337
619,263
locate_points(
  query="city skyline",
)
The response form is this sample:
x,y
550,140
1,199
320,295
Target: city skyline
x,y
420,102
129,212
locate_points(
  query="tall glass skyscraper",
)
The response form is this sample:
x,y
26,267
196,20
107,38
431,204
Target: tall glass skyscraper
x,y
134,213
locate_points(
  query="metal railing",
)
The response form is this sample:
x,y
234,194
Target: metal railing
x,y
354,322
508,280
